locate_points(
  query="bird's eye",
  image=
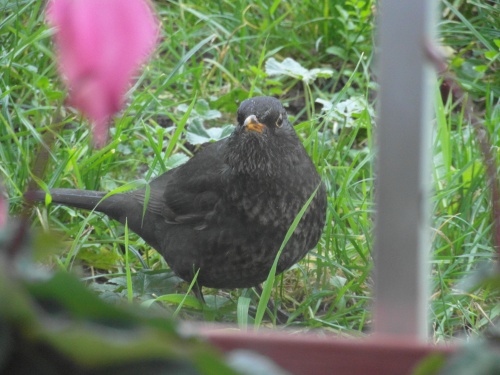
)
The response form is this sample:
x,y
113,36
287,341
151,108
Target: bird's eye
x,y
279,122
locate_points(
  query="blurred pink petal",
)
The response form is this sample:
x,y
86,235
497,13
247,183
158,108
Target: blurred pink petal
x,y
3,211
101,45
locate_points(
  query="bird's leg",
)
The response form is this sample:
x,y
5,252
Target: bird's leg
x,y
198,293
281,316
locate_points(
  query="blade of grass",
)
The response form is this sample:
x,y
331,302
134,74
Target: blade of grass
x,y
242,312
186,295
130,290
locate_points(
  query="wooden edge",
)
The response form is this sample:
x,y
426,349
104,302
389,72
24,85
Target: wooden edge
x,y
314,354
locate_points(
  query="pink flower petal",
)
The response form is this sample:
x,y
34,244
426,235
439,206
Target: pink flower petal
x,y
101,45
3,211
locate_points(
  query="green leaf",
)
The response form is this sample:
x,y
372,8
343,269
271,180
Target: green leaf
x,y
201,110
99,257
197,134
229,102
67,293
480,68
337,51
471,171
176,160
430,365
150,282
490,55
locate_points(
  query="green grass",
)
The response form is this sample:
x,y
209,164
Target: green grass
x,y
217,53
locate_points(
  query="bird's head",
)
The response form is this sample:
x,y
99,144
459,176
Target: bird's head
x,y
264,115
262,138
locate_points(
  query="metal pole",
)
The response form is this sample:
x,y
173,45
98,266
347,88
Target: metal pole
x,y
402,173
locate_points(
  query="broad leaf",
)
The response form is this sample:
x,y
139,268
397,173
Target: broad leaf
x,y
290,67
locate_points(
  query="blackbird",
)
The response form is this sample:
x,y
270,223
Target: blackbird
x,y
226,211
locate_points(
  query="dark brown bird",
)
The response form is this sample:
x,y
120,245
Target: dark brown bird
x,y
226,211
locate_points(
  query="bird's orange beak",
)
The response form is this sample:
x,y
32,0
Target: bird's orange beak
x,y
252,124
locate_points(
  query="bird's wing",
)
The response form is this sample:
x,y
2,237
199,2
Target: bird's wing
x,y
187,194
194,189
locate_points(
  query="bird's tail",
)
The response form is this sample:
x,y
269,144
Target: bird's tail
x,y
85,199
121,207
